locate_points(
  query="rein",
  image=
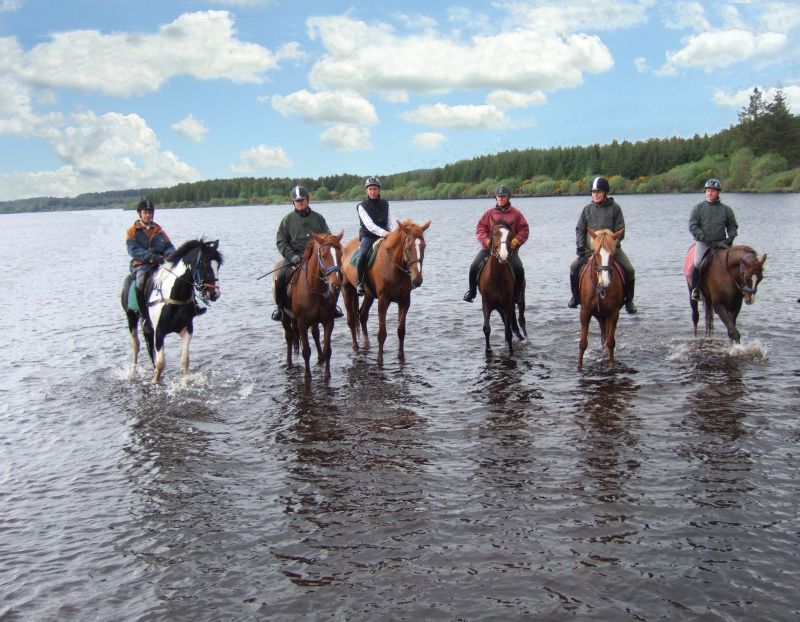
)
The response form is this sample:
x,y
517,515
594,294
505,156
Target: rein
x,y
744,289
197,283
324,272
407,269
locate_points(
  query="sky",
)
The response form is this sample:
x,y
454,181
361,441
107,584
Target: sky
x,y
100,95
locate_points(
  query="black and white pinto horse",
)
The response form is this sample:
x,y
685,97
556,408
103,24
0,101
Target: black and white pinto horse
x,y
192,270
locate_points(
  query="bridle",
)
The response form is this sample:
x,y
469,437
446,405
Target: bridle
x,y
409,263
324,271
742,286
600,290
198,282
495,250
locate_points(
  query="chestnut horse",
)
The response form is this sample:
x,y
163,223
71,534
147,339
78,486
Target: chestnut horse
x,y
496,283
602,292
313,293
729,276
396,271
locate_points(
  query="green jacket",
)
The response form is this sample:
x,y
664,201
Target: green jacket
x,y
606,215
712,222
295,231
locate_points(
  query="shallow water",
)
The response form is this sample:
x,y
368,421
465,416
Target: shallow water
x,y
453,485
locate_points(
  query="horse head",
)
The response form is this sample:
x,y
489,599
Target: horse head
x,y
751,271
499,241
413,248
206,271
329,253
604,245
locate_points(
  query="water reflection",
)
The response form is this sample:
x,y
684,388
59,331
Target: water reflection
x,y
354,455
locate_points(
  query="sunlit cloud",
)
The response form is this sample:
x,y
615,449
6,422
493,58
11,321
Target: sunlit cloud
x,y
327,107
344,137
261,158
191,129
461,117
428,141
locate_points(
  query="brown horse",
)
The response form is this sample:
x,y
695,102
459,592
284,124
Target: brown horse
x,y
496,283
397,270
601,292
313,292
729,276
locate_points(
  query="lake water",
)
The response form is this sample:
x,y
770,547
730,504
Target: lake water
x,y
452,486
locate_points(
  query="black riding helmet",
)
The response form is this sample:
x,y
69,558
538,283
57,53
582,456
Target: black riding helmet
x,y
298,193
502,191
601,183
145,204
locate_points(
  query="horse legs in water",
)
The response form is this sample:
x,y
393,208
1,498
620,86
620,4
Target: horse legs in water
x,y
729,319
402,312
133,329
584,340
160,359
609,330
363,316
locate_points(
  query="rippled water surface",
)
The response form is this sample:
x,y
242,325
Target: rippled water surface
x,y
453,485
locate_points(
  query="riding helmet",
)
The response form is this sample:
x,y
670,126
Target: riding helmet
x,y
145,204
372,181
502,191
601,183
713,184
299,193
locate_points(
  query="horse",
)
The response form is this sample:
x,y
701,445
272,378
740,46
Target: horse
x,y
396,271
730,275
496,283
171,304
313,292
601,291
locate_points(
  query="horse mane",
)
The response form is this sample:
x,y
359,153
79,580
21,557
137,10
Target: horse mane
x,y
190,245
604,239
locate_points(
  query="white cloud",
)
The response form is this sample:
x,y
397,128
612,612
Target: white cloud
x,y
640,62
343,137
10,5
428,141
575,15
191,128
505,99
437,63
261,158
781,17
740,99
718,49
462,117
17,115
686,16
202,45
107,152
327,107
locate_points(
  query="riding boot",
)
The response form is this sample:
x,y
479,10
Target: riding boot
x,y
629,306
694,283
141,303
361,275
473,285
573,284
277,314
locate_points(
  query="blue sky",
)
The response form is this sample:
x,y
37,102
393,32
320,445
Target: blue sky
x,y
112,94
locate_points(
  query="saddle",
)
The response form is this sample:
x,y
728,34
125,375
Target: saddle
x,y
372,254
688,263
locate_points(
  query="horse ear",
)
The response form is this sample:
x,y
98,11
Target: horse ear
x,y
763,259
340,236
426,225
215,244
592,234
618,234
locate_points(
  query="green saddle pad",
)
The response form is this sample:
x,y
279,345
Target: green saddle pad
x,y
133,303
354,257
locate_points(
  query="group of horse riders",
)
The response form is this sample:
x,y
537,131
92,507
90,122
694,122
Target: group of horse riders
x,y
711,223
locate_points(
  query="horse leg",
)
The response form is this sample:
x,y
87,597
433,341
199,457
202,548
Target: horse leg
x,y
695,312
402,313
351,309
315,334
133,329
288,335
729,320
363,316
523,337
158,364
487,329
611,331
584,341
326,350
186,338
507,321
383,308
303,330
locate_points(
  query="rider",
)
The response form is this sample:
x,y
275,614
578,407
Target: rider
x,y
603,212
712,224
502,212
294,233
148,244
373,213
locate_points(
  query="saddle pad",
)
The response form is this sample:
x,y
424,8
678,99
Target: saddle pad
x,y
688,263
133,303
354,257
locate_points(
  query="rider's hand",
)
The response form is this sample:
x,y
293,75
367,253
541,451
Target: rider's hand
x,y
729,242
514,244
295,260
487,242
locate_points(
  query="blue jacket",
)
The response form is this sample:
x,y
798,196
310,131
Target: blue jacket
x,y
147,246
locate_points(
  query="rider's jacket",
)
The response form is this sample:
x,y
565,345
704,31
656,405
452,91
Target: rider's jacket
x,y
597,216
374,218
147,243
712,222
295,231
510,216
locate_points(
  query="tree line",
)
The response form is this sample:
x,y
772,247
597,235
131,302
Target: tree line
x,y
761,153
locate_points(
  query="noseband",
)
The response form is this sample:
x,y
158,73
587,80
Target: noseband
x,y
324,271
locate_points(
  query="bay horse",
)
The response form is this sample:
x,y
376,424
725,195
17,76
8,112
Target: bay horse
x,y
396,271
170,293
313,293
601,292
496,283
729,276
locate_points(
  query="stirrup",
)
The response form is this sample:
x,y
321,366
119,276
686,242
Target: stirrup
x,y
630,308
696,293
572,304
470,295
277,314
360,289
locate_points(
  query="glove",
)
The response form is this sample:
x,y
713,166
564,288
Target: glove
x,y
487,242
514,244
295,260
580,250
729,242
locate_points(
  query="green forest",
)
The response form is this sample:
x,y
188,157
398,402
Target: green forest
x,y
761,153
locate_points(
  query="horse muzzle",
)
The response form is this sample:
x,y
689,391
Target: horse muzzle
x,y
211,292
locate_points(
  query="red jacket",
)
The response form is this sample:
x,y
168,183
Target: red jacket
x,y
511,216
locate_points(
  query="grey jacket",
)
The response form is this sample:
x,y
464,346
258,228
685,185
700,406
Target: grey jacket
x,y
606,215
295,231
712,222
